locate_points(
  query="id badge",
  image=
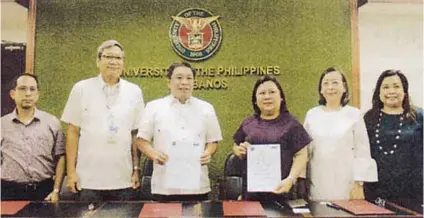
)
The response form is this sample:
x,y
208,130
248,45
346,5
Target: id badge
x,y
113,132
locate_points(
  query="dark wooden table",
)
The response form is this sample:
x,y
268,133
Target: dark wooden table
x,y
319,209
409,205
196,209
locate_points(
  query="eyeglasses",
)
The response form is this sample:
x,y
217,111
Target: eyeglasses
x,y
109,57
32,89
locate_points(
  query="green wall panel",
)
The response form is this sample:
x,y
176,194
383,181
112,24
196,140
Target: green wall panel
x,y
302,37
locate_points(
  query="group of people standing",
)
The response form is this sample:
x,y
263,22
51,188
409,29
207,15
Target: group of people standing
x,y
349,156
342,154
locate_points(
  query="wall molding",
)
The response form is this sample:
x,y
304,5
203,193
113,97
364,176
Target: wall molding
x,y
30,49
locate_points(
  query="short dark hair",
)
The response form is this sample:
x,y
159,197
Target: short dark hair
x,y
344,100
15,80
108,44
172,67
283,106
377,104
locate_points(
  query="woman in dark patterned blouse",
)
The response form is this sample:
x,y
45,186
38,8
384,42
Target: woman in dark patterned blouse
x,y
395,130
272,123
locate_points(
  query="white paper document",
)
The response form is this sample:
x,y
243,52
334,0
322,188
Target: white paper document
x,y
263,167
301,210
183,165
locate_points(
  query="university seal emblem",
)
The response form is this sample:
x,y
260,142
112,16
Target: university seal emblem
x,y
195,34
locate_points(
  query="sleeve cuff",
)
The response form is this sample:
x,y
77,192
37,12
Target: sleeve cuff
x,y
365,169
218,139
143,135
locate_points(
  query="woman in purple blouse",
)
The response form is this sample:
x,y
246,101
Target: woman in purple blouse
x,y
272,123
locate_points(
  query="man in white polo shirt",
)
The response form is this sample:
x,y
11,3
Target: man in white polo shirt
x,y
180,133
102,113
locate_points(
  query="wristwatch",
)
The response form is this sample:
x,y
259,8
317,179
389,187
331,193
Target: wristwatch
x,y
136,168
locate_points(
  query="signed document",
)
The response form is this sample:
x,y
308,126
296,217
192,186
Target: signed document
x,y
263,167
183,169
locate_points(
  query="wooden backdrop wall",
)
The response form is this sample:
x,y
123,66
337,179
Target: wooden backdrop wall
x,y
301,37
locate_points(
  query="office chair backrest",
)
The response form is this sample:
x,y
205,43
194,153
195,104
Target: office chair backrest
x,y
233,166
231,185
146,178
